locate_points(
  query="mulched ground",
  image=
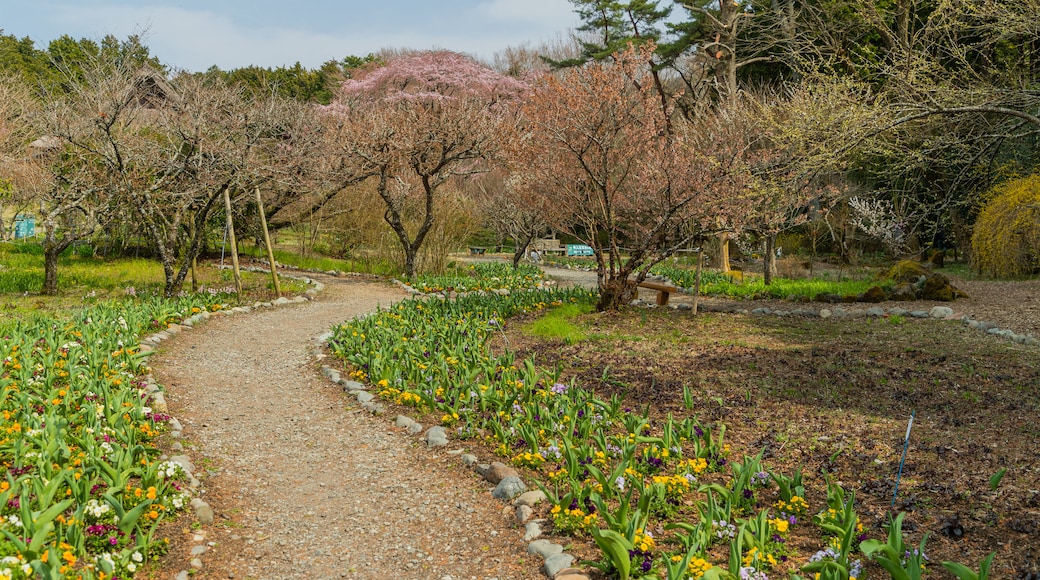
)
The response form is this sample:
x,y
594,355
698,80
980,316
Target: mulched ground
x,y
833,399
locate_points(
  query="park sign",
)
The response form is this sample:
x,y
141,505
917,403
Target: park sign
x,y
24,226
579,250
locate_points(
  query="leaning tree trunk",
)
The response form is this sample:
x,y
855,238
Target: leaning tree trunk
x,y
521,250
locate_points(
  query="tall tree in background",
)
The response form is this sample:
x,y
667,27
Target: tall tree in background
x,y
415,124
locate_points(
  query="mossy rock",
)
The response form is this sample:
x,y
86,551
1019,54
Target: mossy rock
x,y
904,292
873,295
906,271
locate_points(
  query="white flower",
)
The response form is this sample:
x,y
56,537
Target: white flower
x,y
131,567
137,557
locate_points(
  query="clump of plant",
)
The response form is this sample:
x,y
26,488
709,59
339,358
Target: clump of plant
x,y
1006,240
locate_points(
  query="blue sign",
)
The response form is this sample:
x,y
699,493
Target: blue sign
x,y
579,250
24,226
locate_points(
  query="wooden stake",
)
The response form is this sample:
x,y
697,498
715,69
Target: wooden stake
x,y
697,281
234,243
267,242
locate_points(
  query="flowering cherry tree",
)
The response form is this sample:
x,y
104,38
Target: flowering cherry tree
x,y
594,147
413,125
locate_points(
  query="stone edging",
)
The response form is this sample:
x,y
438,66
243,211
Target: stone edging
x,y
508,486
203,512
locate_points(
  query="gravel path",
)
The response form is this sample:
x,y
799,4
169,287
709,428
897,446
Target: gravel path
x,y
305,484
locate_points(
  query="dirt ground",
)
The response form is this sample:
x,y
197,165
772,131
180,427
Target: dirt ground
x,y
833,397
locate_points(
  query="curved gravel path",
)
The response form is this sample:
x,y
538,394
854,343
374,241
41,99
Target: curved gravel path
x,y
304,483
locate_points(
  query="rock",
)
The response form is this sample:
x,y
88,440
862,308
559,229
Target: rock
x,y
780,313
875,312
544,549
524,513
373,407
919,314
281,301
436,437
182,575
938,287
499,471
825,313
202,511
826,297
874,295
352,385
898,312
554,564
764,311
196,563
940,312
839,313
468,459
531,498
903,292
185,462
198,550
683,307
532,530
1032,341
509,488
906,271
565,575
364,396
408,423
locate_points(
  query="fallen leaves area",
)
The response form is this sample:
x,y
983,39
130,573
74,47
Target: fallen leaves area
x,y
833,398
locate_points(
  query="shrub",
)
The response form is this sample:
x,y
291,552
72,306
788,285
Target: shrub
x,y
1006,241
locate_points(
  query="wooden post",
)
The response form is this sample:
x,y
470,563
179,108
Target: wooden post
x,y
267,243
234,243
697,281
194,261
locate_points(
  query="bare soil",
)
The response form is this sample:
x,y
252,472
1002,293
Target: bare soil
x,y
833,397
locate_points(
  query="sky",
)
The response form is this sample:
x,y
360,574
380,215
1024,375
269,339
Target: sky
x,y
196,34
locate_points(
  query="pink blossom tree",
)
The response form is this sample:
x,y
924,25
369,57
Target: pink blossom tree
x,y
413,125
595,149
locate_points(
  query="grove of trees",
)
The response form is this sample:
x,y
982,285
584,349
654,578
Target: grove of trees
x,y
864,125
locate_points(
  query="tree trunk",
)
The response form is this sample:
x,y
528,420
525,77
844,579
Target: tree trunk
x,y
724,252
614,294
521,250
50,268
769,260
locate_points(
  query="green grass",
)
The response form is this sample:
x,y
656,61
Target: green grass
x,y
556,324
714,283
322,263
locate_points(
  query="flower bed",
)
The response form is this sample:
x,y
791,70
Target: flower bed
x,y
607,472
84,490
481,277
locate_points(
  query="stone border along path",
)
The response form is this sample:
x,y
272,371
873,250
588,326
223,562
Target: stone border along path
x,y
471,526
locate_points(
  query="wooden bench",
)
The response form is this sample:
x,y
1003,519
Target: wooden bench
x,y
477,251
663,291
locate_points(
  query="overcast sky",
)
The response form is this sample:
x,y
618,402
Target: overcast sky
x,y
195,34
